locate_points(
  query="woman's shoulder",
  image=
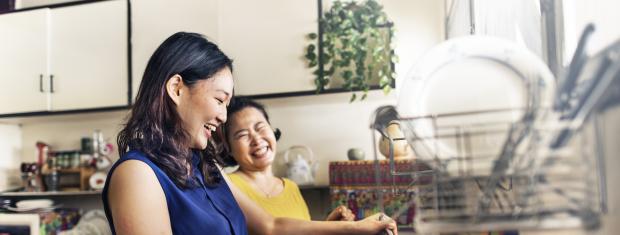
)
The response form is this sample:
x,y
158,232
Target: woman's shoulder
x,y
134,168
236,179
137,156
134,184
134,164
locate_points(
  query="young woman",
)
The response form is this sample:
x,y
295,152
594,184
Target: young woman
x,y
168,179
252,145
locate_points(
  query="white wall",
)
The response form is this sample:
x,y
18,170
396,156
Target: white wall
x,y
604,15
326,124
10,146
419,25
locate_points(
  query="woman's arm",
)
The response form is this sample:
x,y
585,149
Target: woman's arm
x,y
260,222
136,200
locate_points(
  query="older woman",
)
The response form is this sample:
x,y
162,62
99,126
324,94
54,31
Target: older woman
x,y
252,144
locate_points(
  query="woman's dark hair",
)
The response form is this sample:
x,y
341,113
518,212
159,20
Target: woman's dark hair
x,y
237,104
154,127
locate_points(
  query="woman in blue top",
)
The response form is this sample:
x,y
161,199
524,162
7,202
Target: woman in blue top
x,y
168,179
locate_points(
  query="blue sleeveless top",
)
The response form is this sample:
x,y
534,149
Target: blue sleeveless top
x,y
198,210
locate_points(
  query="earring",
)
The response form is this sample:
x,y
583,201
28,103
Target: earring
x,y
277,133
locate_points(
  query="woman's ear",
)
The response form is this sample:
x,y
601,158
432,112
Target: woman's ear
x,y
173,88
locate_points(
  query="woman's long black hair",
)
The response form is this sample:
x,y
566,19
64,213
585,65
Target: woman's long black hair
x,y
154,127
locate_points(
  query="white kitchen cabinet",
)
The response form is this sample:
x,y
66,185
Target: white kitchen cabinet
x,y
267,40
64,58
88,55
155,20
23,61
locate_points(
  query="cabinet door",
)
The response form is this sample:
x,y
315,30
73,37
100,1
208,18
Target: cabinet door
x,y
23,61
153,21
267,39
88,55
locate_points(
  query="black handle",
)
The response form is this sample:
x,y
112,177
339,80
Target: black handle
x,y
567,83
51,83
41,83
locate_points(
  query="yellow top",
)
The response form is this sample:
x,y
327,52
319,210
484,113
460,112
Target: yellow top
x,y
289,203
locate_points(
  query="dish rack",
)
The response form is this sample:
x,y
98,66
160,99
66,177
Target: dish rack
x,y
539,188
547,173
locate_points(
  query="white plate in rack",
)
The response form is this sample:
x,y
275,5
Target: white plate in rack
x,y
472,74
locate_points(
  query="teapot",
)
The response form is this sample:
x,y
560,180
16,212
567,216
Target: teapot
x,y
300,163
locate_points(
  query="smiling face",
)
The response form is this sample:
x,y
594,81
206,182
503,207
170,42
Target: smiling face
x,y
251,139
202,107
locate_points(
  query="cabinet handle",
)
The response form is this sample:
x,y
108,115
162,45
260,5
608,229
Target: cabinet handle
x,y
51,83
41,83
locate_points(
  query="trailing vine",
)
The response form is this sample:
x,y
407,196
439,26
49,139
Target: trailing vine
x,y
356,48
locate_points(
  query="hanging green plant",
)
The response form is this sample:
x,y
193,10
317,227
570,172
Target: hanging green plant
x,y
355,47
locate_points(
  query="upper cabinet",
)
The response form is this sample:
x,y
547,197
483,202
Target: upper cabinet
x,y
23,61
65,58
267,40
75,56
88,55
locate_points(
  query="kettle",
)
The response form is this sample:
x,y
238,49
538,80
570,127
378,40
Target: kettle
x,y
301,166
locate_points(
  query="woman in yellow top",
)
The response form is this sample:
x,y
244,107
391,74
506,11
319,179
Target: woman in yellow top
x,y
252,144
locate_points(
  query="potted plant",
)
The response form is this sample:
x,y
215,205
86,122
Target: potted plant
x,y
354,46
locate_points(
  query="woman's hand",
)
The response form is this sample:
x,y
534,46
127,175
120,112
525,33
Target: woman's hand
x,y
341,213
378,224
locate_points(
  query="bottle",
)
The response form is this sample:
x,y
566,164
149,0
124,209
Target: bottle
x,y
98,144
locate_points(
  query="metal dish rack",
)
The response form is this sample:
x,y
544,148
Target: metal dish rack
x,y
548,173
539,188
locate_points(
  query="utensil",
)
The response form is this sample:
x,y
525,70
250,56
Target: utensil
x,y
566,83
599,74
